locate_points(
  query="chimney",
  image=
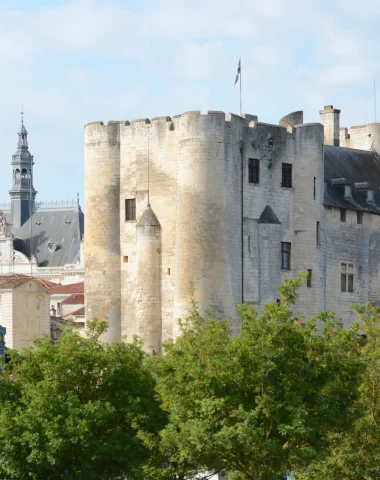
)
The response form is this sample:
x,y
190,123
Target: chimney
x,y
329,118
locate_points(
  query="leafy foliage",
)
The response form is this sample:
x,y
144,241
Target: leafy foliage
x,y
354,452
261,402
76,409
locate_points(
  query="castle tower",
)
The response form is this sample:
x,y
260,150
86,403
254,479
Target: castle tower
x,y
148,281
22,192
102,225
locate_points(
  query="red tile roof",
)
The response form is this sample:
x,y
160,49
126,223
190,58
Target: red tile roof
x,y
70,289
46,283
79,312
7,283
74,299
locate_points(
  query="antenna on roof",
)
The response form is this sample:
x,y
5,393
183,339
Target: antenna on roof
x,y
148,163
374,96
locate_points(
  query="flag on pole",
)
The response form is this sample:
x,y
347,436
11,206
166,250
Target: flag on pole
x,y
238,72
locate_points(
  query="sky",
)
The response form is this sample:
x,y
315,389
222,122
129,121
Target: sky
x,y
71,62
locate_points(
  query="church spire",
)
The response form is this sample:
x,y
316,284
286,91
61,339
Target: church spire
x,y
22,192
23,134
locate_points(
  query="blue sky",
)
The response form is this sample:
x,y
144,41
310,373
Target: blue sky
x,y
71,62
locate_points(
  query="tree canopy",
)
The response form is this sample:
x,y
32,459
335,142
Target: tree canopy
x,y
261,402
76,410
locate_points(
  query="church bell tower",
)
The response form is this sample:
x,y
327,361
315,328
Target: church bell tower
x,y
22,192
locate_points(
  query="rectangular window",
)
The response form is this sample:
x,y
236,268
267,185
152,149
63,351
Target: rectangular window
x,y
287,174
347,277
314,188
125,259
350,286
285,255
130,209
342,214
253,170
308,281
343,285
317,234
359,217
249,243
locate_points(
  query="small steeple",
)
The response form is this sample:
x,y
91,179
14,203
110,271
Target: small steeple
x,y
22,192
22,135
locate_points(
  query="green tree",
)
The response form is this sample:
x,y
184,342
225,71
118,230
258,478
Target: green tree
x,y
354,453
78,409
261,402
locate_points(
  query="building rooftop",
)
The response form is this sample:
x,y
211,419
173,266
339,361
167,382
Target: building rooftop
x,y
74,299
68,289
56,235
358,168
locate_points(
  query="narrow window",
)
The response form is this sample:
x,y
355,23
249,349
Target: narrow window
x,y
347,277
350,286
314,189
125,259
347,191
317,234
359,217
249,243
285,255
308,281
287,180
130,209
342,214
254,170
370,197
168,271
343,285
325,190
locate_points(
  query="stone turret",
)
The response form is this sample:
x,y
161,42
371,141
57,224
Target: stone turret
x,y
102,225
22,192
148,281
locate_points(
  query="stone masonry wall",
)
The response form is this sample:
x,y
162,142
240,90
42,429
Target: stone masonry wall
x,y
102,225
191,169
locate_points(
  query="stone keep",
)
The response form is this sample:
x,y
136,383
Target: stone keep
x,y
198,219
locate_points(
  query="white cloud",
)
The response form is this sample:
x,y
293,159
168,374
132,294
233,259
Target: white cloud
x,y
105,59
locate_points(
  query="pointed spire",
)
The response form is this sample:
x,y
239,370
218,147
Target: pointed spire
x,y
23,134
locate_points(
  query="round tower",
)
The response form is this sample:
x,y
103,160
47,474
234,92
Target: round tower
x,y
207,226
148,281
102,225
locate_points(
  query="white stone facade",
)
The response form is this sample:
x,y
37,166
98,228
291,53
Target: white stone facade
x,y
193,170
24,312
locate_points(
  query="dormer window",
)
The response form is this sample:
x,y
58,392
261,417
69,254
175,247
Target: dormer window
x,y
347,191
370,196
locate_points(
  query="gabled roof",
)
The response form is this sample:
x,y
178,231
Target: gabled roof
x,y
80,312
19,276
10,282
75,299
68,289
355,167
268,216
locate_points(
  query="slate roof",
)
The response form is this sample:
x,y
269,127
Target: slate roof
x,y
57,233
355,166
268,216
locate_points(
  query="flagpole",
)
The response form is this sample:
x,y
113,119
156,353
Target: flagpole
x,y
240,89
